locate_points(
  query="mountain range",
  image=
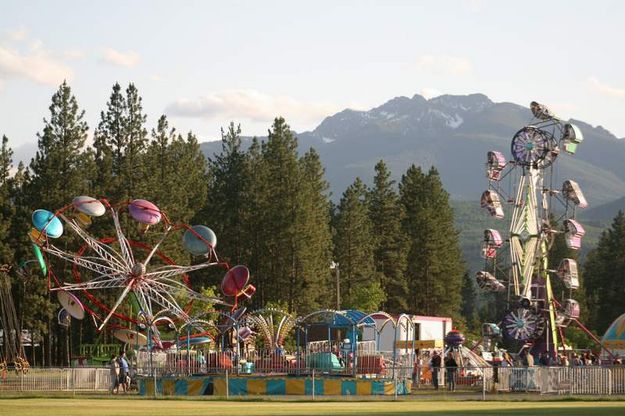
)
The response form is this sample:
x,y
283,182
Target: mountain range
x,y
452,133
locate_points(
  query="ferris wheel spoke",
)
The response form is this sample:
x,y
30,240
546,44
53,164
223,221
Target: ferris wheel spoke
x,y
143,302
83,262
102,250
100,282
173,286
157,245
119,301
170,271
124,245
165,303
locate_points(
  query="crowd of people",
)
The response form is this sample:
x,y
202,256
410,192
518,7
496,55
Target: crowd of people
x,y
441,365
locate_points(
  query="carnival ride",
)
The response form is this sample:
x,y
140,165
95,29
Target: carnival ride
x,y
120,276
534,316
13,354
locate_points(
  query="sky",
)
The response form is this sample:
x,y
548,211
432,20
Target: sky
x,y
206,63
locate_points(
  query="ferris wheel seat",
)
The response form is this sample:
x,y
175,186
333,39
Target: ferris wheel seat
x,y
144,212
47,223
572,192
541,111
573,233
235,281
495,162
486,281
571,308
131,337
492,241
71,304
490,200
571,138
567,271
89,206
490,330
199,240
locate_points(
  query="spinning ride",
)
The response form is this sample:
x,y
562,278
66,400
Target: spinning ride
x,y
534,315
115,279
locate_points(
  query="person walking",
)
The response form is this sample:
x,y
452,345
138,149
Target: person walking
x,y
451,366
114,373
435,366
124,372
416,370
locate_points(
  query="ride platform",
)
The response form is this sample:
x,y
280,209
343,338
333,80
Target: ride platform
x,y
219,385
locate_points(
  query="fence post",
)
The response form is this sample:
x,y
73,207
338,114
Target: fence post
x,y
395,381
227,386
313,384
484,384
154,378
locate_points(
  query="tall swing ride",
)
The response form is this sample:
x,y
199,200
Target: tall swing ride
x,y
535,317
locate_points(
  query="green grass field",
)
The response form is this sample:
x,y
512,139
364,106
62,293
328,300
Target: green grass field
x,y
145,407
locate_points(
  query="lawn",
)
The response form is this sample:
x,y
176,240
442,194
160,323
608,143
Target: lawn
x,y
123,406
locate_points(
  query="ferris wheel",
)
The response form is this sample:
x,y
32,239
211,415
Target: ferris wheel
x,y
98,270
534,314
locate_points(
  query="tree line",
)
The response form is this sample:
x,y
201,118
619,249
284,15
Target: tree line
x,y
394,244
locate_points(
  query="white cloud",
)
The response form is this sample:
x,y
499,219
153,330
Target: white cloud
x,y
605,89
444,63
428,93
156,77
18,34
128,59
249,104
36,64
73,54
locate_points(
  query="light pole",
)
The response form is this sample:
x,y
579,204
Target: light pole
x,y
335,266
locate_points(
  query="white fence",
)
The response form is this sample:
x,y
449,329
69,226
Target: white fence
x,y
56,379
592,380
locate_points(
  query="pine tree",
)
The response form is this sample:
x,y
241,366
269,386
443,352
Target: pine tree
x,y
109,144
354,248
435,264
227,199
604,273
390,244
7,210
120,142
58,175
470,307
314,236
133,171
279,212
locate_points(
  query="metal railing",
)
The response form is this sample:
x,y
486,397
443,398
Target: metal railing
x,y
590,380
56,379
324,362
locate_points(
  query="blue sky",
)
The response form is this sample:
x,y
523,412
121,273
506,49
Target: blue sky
x,y
206,63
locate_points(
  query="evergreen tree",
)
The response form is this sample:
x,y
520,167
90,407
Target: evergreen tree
x,y
354,248
120,142
280,211
470,309
390,244
314,236
59,162
6,207
254,224
136,136
435,264
604,273
109,144
57,177
227,199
